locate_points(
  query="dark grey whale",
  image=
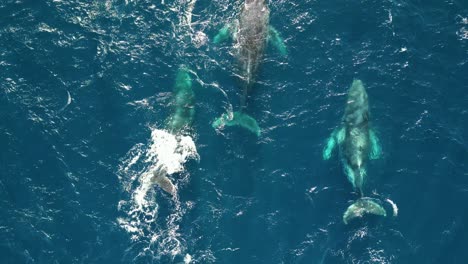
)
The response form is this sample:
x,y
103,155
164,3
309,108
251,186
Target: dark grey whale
x,y
250,33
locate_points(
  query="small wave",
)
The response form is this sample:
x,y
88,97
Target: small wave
x,y
463,33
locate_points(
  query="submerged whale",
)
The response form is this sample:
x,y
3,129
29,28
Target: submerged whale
x,y
250,33
357,143
178,123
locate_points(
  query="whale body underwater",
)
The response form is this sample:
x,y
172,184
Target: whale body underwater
x,y
356,140
251,32
357,144
178,123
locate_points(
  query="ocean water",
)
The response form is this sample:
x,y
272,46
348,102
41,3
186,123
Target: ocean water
x,y
86,89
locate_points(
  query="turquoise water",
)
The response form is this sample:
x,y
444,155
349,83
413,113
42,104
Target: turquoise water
x,y
86,89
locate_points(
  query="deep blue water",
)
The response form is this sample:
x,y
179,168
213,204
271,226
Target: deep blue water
x,y
85,83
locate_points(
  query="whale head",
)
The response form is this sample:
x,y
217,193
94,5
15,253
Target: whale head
x,y
357,107
357,86
255,1
357,95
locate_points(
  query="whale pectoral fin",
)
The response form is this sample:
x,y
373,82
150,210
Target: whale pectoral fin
x,y
238,119
340,135
275,38
376,149
223,34
330,146
336,138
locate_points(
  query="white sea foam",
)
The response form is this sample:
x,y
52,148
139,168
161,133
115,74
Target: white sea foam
x,y
187,14
463,33
187,259
170,151
141,209
186,25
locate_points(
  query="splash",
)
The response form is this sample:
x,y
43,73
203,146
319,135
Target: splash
x,y
394,207
186,26
153,225
169,151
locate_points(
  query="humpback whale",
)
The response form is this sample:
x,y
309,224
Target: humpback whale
x,y
250,33
357,143
178,123
183,104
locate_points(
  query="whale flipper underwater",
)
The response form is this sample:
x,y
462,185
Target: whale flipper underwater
x,y
357,143
179,122
251,32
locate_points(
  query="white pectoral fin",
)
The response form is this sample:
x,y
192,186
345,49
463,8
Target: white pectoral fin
x,y
340,135
376,149
224,34
275,39
330,146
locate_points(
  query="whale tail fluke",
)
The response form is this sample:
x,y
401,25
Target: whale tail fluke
x,y
362,207
238,119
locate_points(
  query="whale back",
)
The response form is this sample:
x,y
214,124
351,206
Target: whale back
x,y
356,146
251,36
